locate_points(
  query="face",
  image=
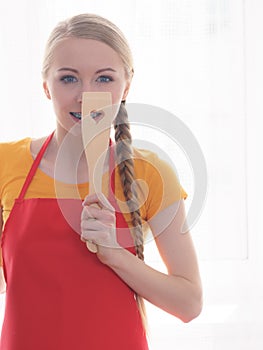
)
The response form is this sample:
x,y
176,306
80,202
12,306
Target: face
x,y
80,65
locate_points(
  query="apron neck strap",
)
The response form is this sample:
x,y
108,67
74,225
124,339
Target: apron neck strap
x,y
34,166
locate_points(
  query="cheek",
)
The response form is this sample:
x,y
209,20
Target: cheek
x,y
117,95
60,99
116,99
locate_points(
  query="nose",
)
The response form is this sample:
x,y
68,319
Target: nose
x,y
85,87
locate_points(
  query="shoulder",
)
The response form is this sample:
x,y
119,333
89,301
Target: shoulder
x,y
13,153
14,146
160,180
144,155
149,163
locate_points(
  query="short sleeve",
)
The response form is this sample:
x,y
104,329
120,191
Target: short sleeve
x,y
160,186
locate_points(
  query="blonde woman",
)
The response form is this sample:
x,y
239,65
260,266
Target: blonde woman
x,y
60,295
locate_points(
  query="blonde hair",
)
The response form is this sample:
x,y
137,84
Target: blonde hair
x,y
89,26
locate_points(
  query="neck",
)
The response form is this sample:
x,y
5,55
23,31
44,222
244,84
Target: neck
x,y
70,162
69,143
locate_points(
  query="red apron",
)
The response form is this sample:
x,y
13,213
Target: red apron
x,y
59,295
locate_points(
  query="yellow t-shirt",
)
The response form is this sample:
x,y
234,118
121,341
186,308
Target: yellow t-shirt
x,y
158,186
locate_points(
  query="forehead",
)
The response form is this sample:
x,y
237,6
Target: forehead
x,y
80,52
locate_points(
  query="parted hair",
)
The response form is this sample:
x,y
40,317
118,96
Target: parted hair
x,y
90,26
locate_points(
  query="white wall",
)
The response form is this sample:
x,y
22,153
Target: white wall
x,y
201,61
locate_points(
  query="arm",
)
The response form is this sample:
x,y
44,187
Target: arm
x,y
178,292
2,279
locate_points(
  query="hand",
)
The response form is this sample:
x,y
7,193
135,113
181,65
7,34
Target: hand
x,y
98,225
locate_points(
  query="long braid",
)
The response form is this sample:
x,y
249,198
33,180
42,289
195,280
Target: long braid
x,y
126,171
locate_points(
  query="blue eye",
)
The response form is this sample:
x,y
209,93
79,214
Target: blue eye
x,y
68,79
104,79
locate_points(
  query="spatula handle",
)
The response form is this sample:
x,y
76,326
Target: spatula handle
x,y
95,148
92,247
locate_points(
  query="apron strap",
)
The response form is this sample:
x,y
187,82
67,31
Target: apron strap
x,y
34,167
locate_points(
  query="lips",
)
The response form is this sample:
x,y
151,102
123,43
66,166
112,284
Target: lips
x,y
94,115
76,115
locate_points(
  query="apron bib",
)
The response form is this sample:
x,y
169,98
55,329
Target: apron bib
x,y
59,295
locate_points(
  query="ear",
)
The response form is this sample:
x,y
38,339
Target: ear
x,y
126,91
46,90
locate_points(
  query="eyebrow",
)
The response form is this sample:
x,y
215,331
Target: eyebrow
x,y
68,69
76,71
105,69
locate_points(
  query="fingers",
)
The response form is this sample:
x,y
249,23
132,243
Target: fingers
x,y
99,232
95,224
98,199
94,212
98,221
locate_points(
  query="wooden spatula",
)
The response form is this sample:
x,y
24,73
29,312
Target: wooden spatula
x,y
97,116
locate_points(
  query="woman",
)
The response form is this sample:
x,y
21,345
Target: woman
x,y
59,294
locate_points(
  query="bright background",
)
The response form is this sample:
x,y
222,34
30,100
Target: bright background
x,y
202,61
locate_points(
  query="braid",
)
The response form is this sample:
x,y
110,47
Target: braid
x,y
126,170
